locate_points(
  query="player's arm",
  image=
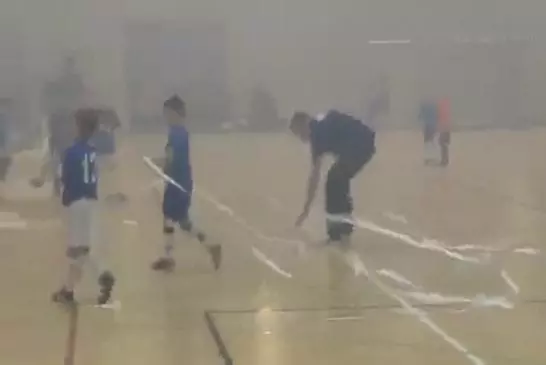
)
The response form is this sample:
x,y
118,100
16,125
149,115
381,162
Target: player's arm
x,y
312,185
312,182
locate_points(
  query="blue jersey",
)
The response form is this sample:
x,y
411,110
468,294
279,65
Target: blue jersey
x,y
79,173
429,115
341,135
179,168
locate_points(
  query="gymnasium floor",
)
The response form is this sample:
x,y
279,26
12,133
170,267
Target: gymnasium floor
x,y
446,267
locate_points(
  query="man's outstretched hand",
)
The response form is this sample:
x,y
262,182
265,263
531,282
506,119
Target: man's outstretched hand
x,y
302,217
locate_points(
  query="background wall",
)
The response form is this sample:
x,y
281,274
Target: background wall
x,y
311,54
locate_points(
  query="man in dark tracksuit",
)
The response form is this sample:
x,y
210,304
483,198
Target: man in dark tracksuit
x,y
353,145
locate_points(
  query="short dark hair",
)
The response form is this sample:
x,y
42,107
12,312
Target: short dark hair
x,y
177,104
87,120
298,119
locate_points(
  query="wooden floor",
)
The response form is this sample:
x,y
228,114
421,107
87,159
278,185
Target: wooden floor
x,y
446,265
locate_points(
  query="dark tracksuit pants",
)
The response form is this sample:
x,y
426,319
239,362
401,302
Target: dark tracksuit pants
x,y
338,191
444,141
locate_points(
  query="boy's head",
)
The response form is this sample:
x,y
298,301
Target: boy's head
x,y
87,120
174,110
300,125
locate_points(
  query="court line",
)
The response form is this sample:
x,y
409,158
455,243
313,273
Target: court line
x,y
427,244
480,248
217,337
263,258
70,349
359,268
363,308
510,282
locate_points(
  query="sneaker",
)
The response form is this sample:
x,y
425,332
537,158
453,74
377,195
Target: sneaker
x,y
163,264
64,297
215,253
106,282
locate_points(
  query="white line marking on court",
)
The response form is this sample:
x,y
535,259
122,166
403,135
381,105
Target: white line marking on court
x,y
339,319
479,301
527,251
395,217
115,306
393,275
426,244
263,258
510,282
359,268
130,222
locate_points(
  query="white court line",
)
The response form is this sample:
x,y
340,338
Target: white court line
x,y
479,301
359,268
263,258
393,275
510,282
527,251
237,218
427,244
469,247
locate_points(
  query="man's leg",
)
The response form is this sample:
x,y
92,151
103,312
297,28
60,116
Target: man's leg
x,y
338,202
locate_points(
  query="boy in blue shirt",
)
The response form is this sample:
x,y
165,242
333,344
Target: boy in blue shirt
x,y
176,203
79,196
352,143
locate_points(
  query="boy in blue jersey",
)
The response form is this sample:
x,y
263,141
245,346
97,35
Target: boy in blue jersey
x,y
352,143
79,196
176,203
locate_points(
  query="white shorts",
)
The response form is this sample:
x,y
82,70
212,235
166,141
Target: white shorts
x,y
82,227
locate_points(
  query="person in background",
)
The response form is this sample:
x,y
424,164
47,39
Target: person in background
x,y
444,130
428,115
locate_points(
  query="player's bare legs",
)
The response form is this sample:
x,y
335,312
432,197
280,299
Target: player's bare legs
x,y
214,250
166,262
